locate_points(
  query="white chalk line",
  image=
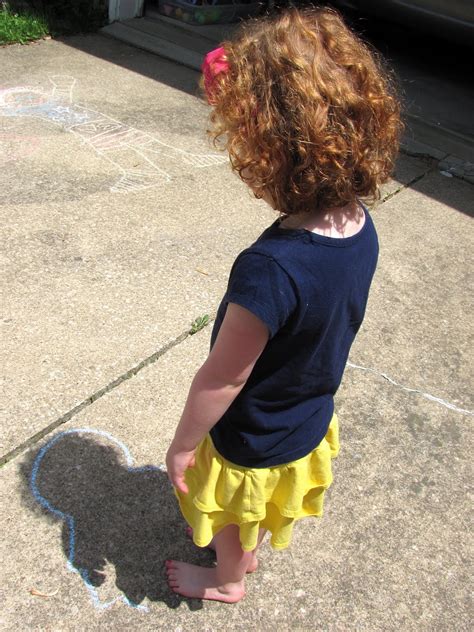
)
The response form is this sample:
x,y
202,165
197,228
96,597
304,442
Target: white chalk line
x,y
104,134
71,521
432,398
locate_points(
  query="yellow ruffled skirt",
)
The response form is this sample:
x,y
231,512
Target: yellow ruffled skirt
x,y
272,498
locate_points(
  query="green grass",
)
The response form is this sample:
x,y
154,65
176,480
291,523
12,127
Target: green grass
x,y
19,28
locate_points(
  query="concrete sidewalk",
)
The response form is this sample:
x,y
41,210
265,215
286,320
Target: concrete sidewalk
x,y
120,227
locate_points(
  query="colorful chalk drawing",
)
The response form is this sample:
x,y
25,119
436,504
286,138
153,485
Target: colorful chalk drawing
x,y
143,160
14,147
70,521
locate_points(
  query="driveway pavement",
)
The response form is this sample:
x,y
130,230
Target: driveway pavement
x,y
120,224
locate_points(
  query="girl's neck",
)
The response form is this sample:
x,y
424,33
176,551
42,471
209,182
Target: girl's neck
x,y
337,222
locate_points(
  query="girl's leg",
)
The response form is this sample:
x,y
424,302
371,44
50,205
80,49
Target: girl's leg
x,y
223,583
253,564
232,560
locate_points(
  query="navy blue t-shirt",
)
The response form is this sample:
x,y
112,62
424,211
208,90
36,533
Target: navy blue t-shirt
x,y
311,291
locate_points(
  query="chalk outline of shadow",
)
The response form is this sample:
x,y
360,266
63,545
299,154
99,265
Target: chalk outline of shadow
x,y
69,520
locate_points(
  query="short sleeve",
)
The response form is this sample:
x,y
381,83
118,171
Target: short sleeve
x,y
258,283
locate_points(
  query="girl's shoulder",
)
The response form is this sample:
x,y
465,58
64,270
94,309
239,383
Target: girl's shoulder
x,y
282,238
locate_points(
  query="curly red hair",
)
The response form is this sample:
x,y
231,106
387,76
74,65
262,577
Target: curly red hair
x,y
306,111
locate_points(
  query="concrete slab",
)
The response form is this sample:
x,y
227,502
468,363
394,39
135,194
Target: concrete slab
x,y
375,561
418,326
407,170
113,245
73,459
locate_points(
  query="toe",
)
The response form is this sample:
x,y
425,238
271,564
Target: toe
x,y
170,564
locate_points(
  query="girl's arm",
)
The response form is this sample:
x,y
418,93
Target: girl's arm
x,y
241,339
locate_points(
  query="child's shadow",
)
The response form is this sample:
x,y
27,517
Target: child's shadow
x,y
117,519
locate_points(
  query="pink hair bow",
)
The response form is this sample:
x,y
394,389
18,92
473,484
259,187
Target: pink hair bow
x,y
214,63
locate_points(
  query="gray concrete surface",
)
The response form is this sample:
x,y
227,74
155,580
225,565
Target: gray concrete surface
x,y
99,278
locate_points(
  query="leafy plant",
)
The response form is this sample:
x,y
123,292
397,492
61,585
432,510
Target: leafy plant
x,y
199,323
20,27
65,16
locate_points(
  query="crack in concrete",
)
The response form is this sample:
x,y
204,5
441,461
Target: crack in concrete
x,y
423,154
432,398
91,399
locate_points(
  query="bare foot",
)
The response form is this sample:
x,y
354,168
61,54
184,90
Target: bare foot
x,y
253,565
190,580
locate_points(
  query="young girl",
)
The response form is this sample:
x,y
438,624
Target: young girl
x,y
311,125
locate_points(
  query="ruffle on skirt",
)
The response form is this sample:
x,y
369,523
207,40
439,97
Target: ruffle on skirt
x,y
222,493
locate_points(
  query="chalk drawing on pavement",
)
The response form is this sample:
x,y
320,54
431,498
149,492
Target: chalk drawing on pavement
x,y
15,147
73,564
143,160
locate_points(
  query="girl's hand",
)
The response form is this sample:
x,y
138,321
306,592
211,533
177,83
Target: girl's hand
x,y
177,462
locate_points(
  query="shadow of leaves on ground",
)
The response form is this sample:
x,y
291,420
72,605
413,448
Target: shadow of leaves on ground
x,y
120,522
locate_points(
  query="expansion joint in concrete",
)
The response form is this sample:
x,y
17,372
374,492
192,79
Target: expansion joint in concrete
x,y
409,184
31,441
